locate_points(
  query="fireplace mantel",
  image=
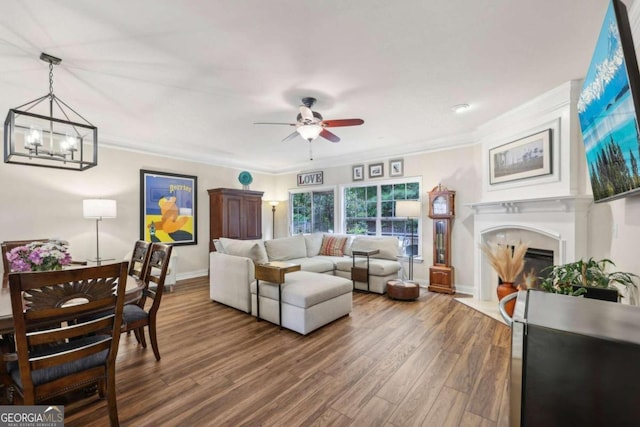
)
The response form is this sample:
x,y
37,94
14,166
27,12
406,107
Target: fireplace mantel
x,y
547,204
556,223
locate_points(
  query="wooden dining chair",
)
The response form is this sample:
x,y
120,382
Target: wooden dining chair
x,y
139,259
6,247
135,316
137,266
56,352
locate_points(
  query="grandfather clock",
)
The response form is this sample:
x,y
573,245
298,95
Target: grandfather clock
x,y
442,211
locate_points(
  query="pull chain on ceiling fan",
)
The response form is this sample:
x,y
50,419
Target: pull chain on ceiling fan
x,y
310,124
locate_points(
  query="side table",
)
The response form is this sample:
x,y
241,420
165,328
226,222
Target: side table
x,y
361,274
273,272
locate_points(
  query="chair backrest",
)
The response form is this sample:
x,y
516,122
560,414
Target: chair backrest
x,y
139,259
156,272
46,309
6,247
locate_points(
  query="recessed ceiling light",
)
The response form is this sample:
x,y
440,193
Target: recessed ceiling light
x,y
460,108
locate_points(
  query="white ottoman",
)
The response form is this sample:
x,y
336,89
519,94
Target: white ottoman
x,y
309,300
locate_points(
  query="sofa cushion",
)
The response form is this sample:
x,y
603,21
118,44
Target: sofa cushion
x,y
286,248
313,242
253,249
389,246
333,245
377,267
305,289
316,264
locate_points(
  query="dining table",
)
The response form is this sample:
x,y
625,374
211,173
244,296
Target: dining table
x,y
133,292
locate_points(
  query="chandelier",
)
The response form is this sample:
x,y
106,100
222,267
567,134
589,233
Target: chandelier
x,y
68,141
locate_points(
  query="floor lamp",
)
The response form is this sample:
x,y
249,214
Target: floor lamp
x,y
409,209
98,209
273,217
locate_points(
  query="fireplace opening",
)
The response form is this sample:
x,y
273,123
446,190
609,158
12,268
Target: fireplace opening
x,y
535,262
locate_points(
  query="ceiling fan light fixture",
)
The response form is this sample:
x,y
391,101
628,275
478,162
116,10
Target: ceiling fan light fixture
x,y
309,132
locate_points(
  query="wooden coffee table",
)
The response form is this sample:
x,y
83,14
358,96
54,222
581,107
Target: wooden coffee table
x,y
273,272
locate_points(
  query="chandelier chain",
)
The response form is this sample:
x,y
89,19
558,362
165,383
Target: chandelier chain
x,y
51,80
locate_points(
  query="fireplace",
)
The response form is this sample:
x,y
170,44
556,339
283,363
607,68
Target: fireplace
x,y
555,227
536,263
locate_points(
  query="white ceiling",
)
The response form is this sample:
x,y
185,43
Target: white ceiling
x,y
189,78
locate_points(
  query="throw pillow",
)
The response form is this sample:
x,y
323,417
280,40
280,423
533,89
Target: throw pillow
x,y
218,245
332,246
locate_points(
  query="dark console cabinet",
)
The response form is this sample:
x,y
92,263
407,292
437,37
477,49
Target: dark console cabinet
x,y
235,214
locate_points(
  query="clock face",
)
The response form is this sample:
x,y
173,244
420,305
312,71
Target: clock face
x,y
440,206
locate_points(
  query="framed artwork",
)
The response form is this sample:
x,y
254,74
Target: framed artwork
x,y
376,170
524,158
168,208
396,167
357,173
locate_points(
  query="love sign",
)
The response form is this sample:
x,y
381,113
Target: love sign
x,y
310,178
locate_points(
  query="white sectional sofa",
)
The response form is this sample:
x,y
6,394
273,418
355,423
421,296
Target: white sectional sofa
x,y
232,273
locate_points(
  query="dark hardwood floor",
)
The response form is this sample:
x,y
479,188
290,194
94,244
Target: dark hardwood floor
x,y
431,362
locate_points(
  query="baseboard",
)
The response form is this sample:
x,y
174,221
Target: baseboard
x,y
467,290
192,274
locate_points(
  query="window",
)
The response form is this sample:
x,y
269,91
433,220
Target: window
x,y
312,211
370,209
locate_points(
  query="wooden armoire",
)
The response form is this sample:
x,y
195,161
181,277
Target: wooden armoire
x,y
236,214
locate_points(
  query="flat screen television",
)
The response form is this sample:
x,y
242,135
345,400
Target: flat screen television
x,y
608,110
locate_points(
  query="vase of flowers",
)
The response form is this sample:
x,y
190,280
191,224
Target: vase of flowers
x,y
39,256
508,261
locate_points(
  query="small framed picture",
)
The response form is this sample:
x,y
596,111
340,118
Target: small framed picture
x,y
376,170
396,167
357,173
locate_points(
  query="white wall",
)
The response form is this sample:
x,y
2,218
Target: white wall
x,y
42,202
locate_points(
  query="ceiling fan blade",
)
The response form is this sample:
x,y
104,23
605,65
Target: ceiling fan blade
x,y
330,136
293,135
306,113
269,123
342,122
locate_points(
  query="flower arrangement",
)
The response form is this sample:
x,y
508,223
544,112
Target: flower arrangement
x,y
506,259
39,256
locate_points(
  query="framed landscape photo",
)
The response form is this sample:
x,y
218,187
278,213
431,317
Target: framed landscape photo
x,y
357,173
376,170
524,158
168,208
396,167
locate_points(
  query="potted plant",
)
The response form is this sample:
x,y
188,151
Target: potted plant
x,y
508,261
581,277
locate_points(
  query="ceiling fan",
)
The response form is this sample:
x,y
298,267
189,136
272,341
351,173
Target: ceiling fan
x,y
310,124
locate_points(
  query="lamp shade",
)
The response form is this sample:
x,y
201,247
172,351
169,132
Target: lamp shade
x,y
274,203
99,208
408,208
